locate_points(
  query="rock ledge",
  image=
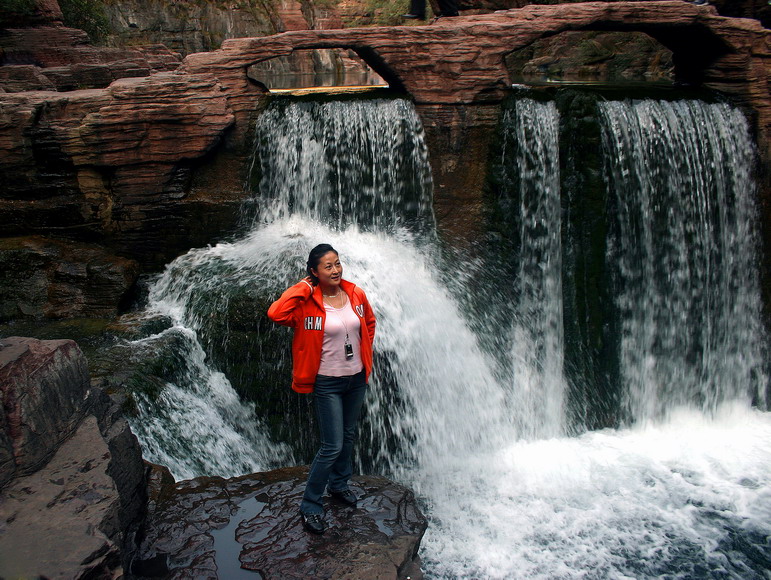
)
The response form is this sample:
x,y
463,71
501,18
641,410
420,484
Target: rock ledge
x,y
214,527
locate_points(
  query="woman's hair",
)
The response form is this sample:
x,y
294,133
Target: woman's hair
x,y
315,257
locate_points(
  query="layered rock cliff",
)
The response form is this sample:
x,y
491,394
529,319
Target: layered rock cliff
x,y
148,167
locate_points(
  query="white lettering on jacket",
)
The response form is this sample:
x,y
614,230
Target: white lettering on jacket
x,y
360,310
313,322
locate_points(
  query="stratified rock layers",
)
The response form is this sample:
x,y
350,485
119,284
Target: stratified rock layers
x,y
45,278
110,166
152,166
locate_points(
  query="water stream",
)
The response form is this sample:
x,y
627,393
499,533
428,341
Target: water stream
x,y
468,401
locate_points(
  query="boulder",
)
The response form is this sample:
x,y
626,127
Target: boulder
x,y
62,521
213,527
43,385
72,479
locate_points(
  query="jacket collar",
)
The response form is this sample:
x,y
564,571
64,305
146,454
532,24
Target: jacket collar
x,y
348,288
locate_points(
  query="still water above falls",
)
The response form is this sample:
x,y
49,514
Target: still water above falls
x,y
489,366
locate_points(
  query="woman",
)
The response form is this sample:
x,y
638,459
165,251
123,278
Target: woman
x,y
332,358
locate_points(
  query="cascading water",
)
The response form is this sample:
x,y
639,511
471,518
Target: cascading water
x,y
343,165
685,247
196,424
451,411
687,495
531,183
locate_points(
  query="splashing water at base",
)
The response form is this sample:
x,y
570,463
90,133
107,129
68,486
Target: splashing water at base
x,y
684,251
197,424
688,496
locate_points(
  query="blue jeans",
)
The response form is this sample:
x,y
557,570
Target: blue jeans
x,y
338,404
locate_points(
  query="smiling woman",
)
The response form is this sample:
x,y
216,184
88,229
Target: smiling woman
x,y
332,358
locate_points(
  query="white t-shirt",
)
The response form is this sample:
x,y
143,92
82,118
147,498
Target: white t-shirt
x,y
338,324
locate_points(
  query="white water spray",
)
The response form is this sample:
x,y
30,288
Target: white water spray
x,y
507,496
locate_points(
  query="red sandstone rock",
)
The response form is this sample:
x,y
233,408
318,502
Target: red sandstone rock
x,y
58,522
72,479
120,161
104,163
67,59
43,385
291,14
461,59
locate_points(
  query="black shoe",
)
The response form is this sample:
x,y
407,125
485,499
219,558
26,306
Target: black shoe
x,y
346,496
414,16
314,523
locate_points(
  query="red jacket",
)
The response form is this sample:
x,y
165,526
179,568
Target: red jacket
x,y
304,311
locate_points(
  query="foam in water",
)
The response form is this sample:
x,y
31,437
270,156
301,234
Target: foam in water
x,y
689,498
686,493
197,425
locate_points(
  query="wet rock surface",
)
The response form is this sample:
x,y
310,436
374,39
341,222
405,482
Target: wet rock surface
x,y
218,528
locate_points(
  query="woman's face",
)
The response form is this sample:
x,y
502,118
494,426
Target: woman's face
x,y
329,270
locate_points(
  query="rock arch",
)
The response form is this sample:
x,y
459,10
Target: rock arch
x,y
461,60
145,158
455,72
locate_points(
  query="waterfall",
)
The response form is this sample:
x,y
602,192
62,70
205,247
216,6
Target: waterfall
x,y
322,161
531,189
467,400
354,173
685,493
196,424
685,249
